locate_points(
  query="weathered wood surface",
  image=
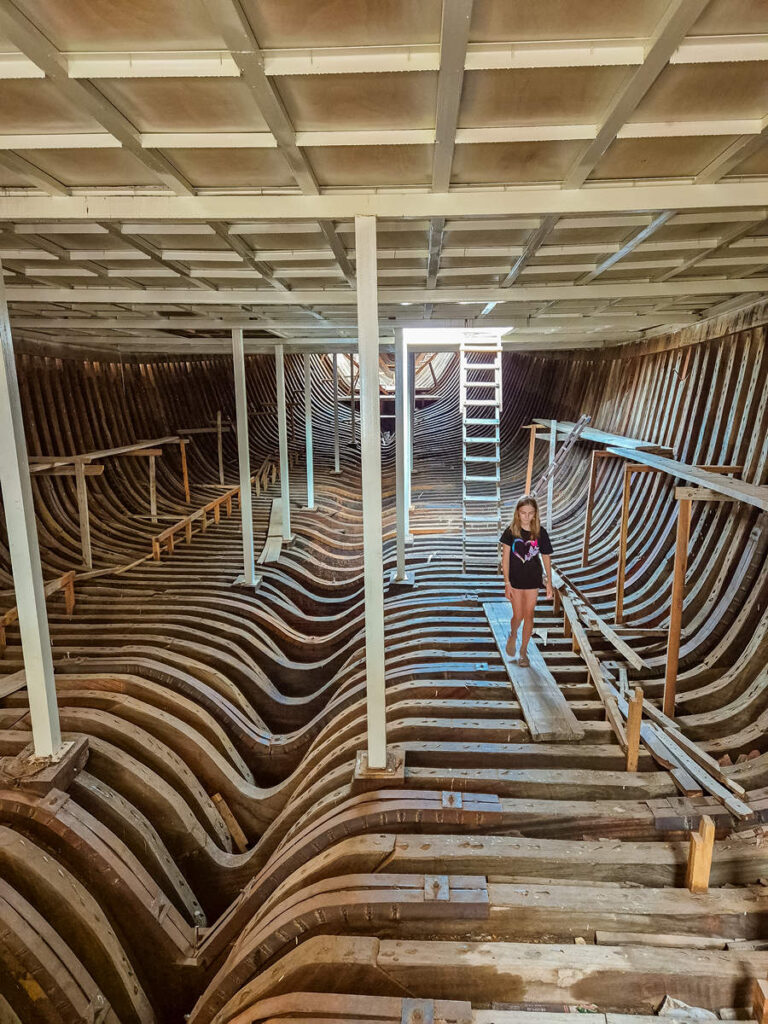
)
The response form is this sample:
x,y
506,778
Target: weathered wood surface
x,y
544,708
195,696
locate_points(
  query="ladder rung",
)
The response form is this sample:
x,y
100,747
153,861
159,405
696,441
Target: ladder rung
x,y
495,365
487,499
483,479
482,458
490,421
481,401
476,518
482,440
481,384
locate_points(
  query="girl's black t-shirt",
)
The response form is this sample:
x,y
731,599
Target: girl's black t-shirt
x,y
525,571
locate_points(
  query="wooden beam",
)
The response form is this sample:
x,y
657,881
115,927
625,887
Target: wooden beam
x,y
739,490
220,448
82,509
700,494
634,722
700,856
153,488
629,470
590,504
184,473
676,606
533,427
66,471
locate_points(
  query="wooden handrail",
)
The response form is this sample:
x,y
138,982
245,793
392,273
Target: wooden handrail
x,y
266,474
65,583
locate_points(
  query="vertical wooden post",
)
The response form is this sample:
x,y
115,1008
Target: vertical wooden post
x,y
623,534
551,480
220,446
153,488
676,605
590,506
533,427
82,511
634,721
760,999
184,473
69,594
700,850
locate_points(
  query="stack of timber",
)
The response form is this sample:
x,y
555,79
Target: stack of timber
x,y
207,851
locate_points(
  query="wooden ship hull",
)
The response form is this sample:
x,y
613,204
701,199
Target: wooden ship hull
x,y
209,851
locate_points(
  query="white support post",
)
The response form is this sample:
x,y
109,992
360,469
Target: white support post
x,y
336,466
352,398
370,458
243,457
82,513
412,420
220,446
25,552
402,404
282,431
308,430
551,480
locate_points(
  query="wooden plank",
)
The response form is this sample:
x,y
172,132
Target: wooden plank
x,y
676,605
739,490
603,437
700,494
273,544
634,721
544,707
702,844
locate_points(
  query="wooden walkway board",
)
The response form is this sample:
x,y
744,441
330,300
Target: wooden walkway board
x,y
545,709
274,542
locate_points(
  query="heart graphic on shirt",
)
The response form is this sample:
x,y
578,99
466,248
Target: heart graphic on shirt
x,y
528,549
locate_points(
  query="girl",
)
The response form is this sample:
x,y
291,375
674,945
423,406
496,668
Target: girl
x,y
525,539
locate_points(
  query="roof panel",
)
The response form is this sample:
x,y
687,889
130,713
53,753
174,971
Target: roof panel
x,y
497,20
690,92
659,158
37,105
234,168
185,104
343,22
90,167
513,162
530,96
371,165
328,102
94,25
732,17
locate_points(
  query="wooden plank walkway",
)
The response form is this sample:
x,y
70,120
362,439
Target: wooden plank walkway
x,y
273,545
544,707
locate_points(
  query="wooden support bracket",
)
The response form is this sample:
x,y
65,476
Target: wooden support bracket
x,y
702,844
634,722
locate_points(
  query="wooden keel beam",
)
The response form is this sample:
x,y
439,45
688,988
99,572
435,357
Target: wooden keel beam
x,y
676,605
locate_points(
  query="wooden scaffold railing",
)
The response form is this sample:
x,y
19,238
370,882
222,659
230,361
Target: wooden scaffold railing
x,y
65,583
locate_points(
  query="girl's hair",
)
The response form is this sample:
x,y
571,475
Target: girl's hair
x,y
515,527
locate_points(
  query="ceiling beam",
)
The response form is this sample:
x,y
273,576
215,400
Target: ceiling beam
x,y
341,297
33,174
468,203
34,45
232,21
454,36
532,246
629,246
678,18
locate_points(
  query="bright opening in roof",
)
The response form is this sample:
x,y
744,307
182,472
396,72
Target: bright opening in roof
x,y
437,336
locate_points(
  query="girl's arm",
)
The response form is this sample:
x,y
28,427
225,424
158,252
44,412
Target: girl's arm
x,y
547,560
505,569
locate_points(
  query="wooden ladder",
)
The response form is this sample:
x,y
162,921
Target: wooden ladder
x,y
481,401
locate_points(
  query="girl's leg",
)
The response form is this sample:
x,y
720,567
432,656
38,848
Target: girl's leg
x,y
517,618
528,606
